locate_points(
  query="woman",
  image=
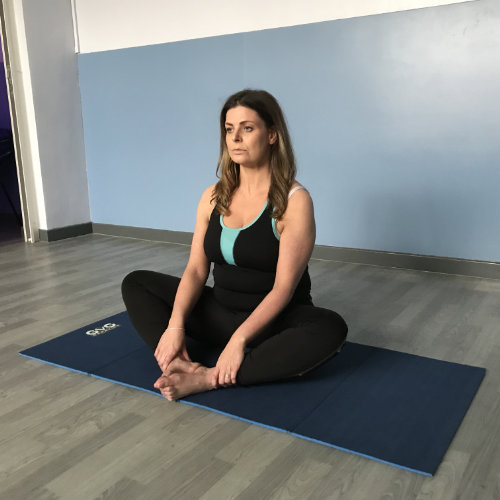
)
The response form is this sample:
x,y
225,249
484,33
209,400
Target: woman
x,y
257,226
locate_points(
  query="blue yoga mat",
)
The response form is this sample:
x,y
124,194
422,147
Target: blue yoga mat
x,y
389,406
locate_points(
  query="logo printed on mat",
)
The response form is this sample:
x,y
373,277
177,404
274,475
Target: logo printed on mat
x,y
102,329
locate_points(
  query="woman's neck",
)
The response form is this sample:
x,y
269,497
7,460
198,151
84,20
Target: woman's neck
x,y
254,180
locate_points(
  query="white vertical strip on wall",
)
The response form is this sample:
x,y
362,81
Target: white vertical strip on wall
x,y
75,25
23,94
115,24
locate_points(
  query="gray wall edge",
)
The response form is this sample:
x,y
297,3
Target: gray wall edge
x,y
446,265
60,233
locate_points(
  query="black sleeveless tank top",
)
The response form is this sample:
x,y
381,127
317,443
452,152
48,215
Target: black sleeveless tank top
x,y
245,262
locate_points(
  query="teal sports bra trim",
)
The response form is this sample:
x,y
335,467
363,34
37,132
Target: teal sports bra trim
x,y
275,231
244,227
228,237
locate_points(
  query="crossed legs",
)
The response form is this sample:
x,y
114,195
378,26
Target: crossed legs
x,y
301,338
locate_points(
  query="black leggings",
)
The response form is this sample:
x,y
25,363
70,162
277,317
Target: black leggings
x,y
299,339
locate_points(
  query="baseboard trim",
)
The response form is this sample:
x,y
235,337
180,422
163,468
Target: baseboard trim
x,y
429,263
60,233
143,233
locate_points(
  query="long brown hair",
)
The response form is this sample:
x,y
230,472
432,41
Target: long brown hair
x,y
282,161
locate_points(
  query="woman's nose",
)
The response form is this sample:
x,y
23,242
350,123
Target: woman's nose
x,y
236,136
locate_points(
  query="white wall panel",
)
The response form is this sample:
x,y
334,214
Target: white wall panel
x,y
115,24
56,114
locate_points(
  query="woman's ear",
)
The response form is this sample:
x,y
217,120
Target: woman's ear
x,y
273,136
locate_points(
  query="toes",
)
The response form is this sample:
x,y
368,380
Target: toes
x,y
162,382
170,394
167,392
166,385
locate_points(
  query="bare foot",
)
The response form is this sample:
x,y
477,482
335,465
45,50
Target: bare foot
x,y
178,365
176,385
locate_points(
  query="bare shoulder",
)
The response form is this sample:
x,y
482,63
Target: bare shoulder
x,y
207,203
299,198
208,194
299,212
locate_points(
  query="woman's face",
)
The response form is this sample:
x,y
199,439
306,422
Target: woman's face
x,y
248,139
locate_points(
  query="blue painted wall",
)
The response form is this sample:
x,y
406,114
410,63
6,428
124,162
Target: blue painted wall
x,y
395,120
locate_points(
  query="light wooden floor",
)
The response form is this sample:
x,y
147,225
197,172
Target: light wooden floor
x,y
70,436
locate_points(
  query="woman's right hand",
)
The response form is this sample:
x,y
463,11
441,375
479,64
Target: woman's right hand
x,y
172,344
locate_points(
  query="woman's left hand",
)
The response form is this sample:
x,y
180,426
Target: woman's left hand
x,y
229,363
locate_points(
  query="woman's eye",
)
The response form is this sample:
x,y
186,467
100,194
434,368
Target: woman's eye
x,y
248,129
228,130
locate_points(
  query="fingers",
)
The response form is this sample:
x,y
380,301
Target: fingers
x,y
169,346
163,361
227,366
166,361
229,363
164,355
226,376
221,378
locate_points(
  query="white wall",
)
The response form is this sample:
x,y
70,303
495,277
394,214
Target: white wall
x,y
115,24
57,112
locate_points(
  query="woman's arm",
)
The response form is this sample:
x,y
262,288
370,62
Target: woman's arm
x,y
296,245
172,342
